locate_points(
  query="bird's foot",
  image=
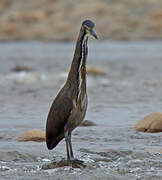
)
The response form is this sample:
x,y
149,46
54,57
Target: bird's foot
x,y
76,163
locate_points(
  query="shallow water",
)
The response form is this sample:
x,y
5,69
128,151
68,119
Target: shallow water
x,y
130,90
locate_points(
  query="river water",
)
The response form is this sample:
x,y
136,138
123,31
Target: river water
x,y
112,150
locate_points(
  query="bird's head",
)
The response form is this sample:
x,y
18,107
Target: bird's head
x,y
88,26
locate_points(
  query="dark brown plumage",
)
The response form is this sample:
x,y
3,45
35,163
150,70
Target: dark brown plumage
x,y
69,107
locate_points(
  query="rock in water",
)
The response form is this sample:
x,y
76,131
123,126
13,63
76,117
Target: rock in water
x,y
94,71
154,150
151,123
87,123
32,135
19,68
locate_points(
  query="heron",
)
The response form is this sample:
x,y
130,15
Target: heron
x,y
70,105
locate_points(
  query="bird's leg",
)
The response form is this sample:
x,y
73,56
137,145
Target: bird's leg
x,y
70,156
70,146
71,152
67,146
66,133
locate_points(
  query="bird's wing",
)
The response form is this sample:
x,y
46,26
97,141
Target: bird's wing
x,y
57,119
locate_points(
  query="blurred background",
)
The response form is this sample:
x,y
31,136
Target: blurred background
x,y
124,76
59,20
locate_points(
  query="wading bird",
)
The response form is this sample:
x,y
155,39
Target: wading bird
x,y
70,105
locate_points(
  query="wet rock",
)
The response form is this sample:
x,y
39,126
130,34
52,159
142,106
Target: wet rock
x,y
151,123
32,135
156,150
91,70
63,163
87,123
19,68
94,71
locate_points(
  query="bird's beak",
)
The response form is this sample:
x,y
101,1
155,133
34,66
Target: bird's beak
x,y
92,32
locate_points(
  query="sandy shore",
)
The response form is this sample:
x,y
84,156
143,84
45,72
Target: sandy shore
x,y
60,20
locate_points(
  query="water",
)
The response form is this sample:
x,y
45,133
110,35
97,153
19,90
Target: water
x,y
130,90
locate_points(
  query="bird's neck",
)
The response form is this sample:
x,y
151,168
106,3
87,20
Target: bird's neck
x,y
74,73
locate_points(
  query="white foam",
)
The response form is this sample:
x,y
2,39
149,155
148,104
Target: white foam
x,y
26,77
